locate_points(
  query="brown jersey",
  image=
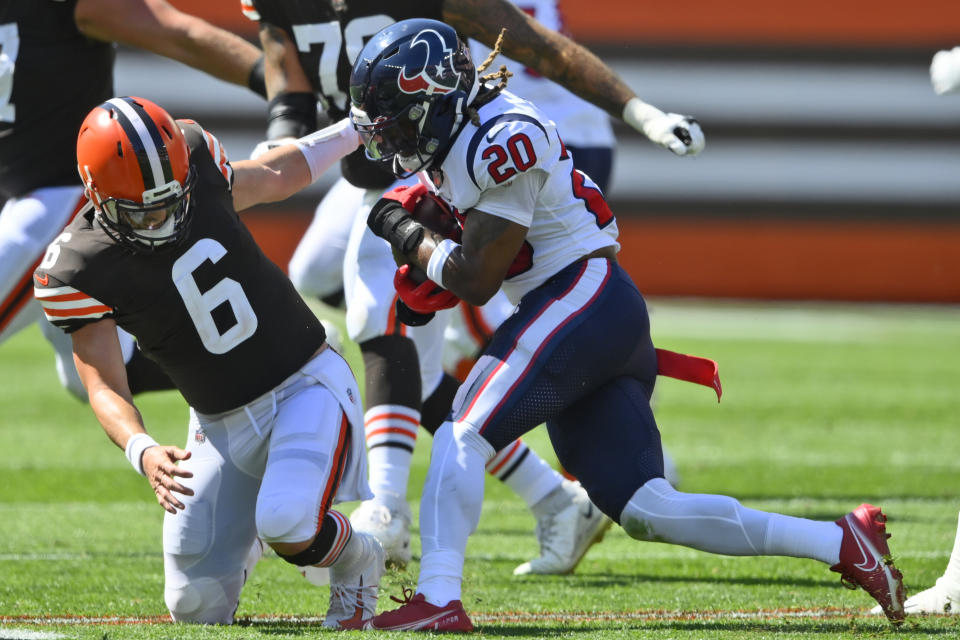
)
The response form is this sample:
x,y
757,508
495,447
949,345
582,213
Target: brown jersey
x,y
213,311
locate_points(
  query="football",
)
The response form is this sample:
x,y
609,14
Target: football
x,y
435,215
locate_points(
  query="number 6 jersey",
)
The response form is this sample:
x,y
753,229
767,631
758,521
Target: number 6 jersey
x,y
222,321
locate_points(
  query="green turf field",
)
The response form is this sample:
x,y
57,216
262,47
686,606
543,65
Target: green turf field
x,y
824,407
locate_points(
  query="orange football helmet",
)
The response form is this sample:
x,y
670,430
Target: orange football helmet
x,y
135,167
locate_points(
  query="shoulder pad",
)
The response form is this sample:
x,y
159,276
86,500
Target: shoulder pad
x,y
198,137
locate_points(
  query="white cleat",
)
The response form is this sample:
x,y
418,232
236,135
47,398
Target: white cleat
x,y
938,599
568,524
387,517
354,589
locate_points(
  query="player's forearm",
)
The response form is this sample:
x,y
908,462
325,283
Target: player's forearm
x,y
281,172
117,414
157,26
550,53
282,70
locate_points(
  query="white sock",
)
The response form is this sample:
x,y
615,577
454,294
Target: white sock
x,y
951,577
391,434
720,524
802,538
526,473
450,510
353,553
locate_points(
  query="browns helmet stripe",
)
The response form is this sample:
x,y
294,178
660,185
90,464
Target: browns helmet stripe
x,y
145,138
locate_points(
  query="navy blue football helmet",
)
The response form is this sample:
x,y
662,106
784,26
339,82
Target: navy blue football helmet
x,y
408,91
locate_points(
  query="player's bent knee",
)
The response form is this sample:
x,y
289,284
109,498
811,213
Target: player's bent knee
x,y
284,518
202,600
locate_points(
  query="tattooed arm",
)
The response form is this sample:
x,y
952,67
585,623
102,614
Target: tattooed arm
x,y
573,66
550,53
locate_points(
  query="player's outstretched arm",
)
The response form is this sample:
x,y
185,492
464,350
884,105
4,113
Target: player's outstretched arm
x,y
99,361
281,172
157,26
573,66
945,71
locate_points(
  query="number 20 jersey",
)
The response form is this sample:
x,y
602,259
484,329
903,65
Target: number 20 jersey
x,y
515,166
213,311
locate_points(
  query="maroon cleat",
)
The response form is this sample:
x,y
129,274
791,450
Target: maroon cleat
x,y
416,614
865,560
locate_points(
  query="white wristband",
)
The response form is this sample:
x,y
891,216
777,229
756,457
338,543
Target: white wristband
x,y
439,258
136,445
325,147
637,113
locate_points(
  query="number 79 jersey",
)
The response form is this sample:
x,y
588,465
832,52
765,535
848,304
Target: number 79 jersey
x,y
213,311
514,165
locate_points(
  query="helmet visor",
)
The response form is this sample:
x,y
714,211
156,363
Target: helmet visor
x,y
151,216
383,138
141,217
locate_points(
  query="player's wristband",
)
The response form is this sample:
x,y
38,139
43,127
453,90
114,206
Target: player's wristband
x,y
325,147
439,258
136,445
638,113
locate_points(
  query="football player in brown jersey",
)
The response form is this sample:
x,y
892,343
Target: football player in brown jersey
x,y
56,63
276,428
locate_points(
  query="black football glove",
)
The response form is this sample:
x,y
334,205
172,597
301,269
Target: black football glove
x,y
411,318
389,220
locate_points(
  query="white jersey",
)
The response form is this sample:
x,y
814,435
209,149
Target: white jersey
x,y
515,166
580,123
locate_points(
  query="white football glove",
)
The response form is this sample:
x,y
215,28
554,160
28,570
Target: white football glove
x,y
945,71
267,145
680,134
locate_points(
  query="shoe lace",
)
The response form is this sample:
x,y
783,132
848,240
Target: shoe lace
x,y
345,598
408,594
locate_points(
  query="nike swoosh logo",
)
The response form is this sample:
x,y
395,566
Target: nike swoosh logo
x,y
870,561
493,133
589,511
44,280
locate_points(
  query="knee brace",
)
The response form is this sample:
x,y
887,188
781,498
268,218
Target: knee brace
x,y
326,546
204,600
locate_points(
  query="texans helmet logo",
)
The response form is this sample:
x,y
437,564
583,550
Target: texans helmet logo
x,y
430,78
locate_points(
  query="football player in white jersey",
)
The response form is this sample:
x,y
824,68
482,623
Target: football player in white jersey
x,y
56,63
577,354
397,398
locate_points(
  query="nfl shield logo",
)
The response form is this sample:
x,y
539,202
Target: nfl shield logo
x,y
350,395
200,436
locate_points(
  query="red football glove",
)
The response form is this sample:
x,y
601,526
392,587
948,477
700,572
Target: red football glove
x,y
423,297
407,195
